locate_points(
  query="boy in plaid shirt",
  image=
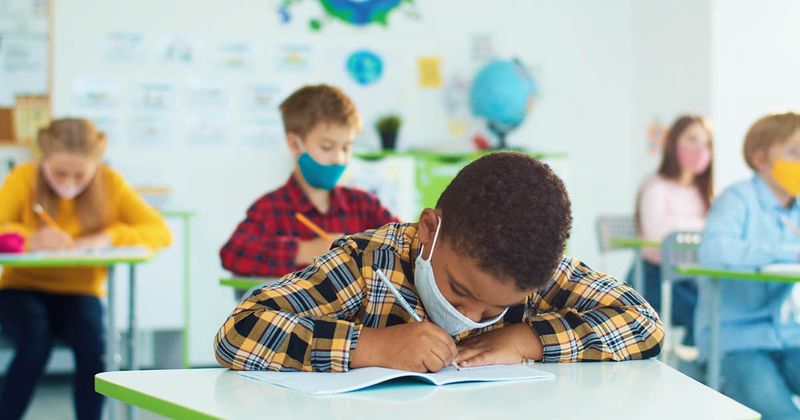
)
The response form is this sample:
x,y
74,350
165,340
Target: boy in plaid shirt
x,y
485,271
321,123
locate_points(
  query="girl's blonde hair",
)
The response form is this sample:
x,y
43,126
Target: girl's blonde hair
x,y
768,131
81,137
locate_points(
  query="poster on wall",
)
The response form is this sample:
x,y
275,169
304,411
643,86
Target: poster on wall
x,y
23,65
120,47
95,92
235,55
178,49
293,58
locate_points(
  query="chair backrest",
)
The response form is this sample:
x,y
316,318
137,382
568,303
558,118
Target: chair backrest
x,y
614,227
678,248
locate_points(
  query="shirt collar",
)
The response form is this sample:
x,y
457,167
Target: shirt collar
x,y
301,203
766,197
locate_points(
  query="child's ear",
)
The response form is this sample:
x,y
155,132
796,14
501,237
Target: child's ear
x,y
292,141
761,160
428,220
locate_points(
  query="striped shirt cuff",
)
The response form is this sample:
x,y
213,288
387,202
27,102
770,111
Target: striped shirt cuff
x,y
330,348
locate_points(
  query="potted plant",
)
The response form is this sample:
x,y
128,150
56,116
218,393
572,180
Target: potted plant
x,y
387,127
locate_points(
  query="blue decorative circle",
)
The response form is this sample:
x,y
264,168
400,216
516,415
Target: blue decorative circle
x,y
365,67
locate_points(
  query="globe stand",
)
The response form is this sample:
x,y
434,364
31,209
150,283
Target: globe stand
x,y
500,132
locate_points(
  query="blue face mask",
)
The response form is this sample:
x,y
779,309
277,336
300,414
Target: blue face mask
x,y
318,175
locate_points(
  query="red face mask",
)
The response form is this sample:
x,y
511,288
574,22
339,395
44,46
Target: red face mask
x,y
694,158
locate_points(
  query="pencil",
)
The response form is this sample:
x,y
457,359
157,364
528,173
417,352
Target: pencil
x,y
402,301
39,210
316,229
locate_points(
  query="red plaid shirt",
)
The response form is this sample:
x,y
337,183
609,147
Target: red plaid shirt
x,y
265,243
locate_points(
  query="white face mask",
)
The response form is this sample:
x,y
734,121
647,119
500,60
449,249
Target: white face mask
x,y
66,192
436,306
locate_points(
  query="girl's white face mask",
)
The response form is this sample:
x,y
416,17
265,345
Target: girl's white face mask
x,y
65,191
442,313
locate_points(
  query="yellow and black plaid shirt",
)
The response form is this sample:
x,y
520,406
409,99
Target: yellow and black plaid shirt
x,y
311,319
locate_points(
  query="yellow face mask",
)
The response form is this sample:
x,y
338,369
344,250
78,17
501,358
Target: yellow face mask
x,y
787,174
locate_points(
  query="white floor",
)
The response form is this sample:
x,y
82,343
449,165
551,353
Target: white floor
x,y
53,401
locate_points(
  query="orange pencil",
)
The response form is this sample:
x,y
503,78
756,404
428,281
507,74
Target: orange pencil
x,y
39,210
318,230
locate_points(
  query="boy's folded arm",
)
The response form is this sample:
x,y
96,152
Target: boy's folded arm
x,y
723,242
303,323
254,250
585,315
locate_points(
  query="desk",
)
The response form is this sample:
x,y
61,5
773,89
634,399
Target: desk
x,y
714,275
636,244
244,283
129,256
607,390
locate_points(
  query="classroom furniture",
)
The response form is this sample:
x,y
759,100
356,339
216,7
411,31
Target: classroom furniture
x,y
616,232
678,249
132,259
713,275
608,390
244,283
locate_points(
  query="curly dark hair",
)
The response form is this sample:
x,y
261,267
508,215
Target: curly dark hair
x,y
511,214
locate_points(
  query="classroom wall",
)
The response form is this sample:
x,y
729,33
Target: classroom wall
x,y
583,54
755,68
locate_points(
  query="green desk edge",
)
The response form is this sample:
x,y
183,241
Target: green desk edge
x,y
695,271
147,402
634,243
241,283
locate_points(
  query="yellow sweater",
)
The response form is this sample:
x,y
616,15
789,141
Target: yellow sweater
x,y
131,222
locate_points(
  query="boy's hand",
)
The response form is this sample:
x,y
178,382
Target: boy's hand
x,y
50,238
307,250
505,346
416,346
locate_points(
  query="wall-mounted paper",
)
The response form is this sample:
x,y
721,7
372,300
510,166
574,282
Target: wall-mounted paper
x,y
124,48
23,65
261,98
365,67
235,55
430,72
262,132
178,49
293,58
148,130
95,92
207,93
153,96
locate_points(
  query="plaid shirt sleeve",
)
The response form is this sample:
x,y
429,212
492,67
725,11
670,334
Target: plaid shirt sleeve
x,y
255,249
585,315
302,323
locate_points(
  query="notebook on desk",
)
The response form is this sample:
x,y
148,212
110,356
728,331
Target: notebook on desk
x,y
324,383
788,269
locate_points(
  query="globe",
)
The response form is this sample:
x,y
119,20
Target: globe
x,y
503,93
365,67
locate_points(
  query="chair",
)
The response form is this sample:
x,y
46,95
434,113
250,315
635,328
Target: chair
x,y
612,227
679,248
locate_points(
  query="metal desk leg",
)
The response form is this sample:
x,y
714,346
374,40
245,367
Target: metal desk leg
x,y
714,354
638,272
667,352
131,341
112,350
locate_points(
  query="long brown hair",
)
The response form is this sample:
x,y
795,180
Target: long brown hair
x,y
670,167
81,137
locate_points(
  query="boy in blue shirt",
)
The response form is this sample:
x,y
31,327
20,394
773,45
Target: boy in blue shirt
x,y
752,224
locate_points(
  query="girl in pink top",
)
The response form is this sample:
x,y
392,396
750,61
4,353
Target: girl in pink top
x,y
676,198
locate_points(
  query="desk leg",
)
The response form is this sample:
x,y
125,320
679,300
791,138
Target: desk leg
x,y
131,341
714,354
638,272
112,351
667,353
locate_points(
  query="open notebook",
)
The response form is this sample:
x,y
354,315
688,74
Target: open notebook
x,y
323,383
